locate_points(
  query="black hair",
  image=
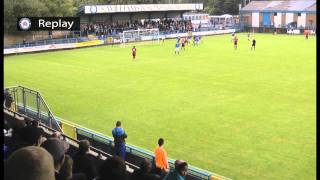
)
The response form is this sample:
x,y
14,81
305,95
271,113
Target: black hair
x,y
160,141
113,168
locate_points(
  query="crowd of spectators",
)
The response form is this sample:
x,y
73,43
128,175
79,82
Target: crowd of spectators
x,y
107,29
32,154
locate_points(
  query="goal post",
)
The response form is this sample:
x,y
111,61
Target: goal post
x,y
140,35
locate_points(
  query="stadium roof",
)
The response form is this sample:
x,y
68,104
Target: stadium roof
x,y
281,6
98,9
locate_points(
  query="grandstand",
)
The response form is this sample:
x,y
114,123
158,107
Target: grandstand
x,y
108,22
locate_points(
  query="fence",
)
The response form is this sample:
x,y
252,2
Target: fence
x,y
30,103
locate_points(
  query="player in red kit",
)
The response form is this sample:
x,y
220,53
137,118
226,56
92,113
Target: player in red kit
x,y
134,51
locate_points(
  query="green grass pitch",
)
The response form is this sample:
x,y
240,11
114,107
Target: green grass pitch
x,y
239,113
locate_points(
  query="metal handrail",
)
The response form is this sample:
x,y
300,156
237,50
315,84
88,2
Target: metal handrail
x,y
66,137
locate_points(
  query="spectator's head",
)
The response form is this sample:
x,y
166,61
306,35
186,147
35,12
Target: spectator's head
x,y
118,123
113,168
84,146
31,134
161,141
56,135
181,167
145,166
29,163
7,99
66,168
56,148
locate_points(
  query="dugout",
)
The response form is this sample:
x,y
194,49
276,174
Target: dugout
x,y
134,12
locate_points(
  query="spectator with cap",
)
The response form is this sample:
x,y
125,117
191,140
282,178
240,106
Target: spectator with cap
x,y
119,136
56,148
83,163
179,172
29,163
113,168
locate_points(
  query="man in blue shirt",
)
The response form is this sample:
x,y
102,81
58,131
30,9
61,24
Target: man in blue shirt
x,y
119,136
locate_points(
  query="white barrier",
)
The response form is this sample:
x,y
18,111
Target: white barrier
x,y
39,48
295,31
201,33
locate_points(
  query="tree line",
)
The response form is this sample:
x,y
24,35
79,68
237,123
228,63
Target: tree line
x,y
46,8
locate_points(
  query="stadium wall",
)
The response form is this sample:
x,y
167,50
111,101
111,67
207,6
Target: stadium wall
x,y
139,16
311,19
277,20
157,15
174,15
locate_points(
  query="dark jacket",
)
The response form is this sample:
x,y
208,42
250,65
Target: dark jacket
x,y
83,163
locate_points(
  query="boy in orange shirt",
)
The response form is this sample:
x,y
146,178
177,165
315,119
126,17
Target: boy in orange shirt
x,y
161,158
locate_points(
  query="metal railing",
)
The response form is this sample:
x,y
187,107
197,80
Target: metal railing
x,y
27,108
65,137
30,103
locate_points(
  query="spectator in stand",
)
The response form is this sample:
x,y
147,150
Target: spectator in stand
x,y
83,162
56,148
179,172
66,168
113,168
144,173
56,135
161,158
27,136
29,163
119,136
7,99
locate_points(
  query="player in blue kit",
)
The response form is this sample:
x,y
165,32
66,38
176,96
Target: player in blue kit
x,y
177,48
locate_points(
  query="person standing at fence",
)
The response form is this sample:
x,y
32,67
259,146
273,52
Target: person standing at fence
x,y
161,159
119,136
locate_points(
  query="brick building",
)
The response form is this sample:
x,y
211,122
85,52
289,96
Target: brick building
x,y
265,16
